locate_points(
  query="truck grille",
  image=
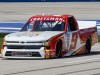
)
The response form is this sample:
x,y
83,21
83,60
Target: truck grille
x,y
23,47
22,54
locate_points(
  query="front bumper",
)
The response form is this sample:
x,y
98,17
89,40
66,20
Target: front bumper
x,y
23,53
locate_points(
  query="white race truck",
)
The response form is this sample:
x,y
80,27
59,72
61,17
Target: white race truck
x,y
49,36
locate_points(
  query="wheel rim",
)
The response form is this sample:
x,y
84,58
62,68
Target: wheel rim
x,y
88,46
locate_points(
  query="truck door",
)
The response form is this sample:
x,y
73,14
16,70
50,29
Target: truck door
x,y
71,35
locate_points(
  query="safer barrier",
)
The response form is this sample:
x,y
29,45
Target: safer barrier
x,y
9,27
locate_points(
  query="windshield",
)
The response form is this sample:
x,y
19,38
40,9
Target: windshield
x,y
44,26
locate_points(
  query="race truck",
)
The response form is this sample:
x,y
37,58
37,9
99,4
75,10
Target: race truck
x,y
49,36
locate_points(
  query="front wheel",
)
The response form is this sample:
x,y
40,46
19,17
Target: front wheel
x,y
58,49
88,46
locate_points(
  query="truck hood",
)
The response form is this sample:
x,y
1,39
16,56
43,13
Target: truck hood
x,y
31,36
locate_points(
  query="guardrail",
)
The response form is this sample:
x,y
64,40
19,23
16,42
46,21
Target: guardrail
x,y
9,27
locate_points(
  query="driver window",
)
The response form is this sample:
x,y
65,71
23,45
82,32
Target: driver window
x,y
71,24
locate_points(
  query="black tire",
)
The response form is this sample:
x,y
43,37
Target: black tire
x,y
58,49
88,45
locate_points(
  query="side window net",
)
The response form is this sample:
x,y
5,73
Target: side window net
x,y
71,24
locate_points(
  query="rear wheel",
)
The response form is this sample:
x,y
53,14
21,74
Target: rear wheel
x,y
88,45
58,49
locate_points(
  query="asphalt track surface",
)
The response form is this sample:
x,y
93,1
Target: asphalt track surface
x,y
74,65
22,11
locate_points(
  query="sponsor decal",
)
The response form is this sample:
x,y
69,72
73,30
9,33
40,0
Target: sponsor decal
x,y
66,41
47,18
87,30
28,34
94,38
80,50
74,41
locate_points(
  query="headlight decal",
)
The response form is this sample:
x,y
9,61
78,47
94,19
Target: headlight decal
x,y
3,45
47,53
47,43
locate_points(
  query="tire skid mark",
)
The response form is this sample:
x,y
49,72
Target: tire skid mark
x,y
81,71
12,12
58,67
96,74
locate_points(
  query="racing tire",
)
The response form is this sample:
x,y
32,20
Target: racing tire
x,y
58,49
88,46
